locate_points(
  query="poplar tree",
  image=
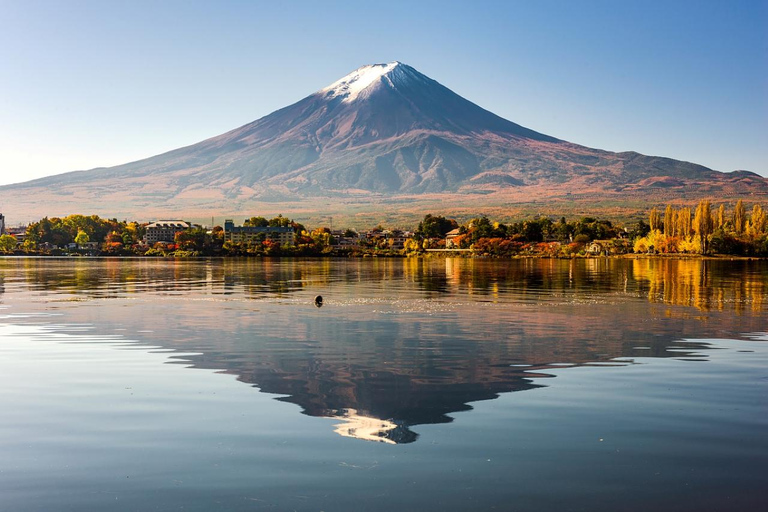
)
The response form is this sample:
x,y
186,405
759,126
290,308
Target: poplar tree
x,y
758,220
669,224
654,220
702,224
684,223
720,217
739,217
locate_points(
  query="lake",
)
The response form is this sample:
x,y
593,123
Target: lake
x,y
420,384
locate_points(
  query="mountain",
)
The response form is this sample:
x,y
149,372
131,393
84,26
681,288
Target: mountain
x,y
381,136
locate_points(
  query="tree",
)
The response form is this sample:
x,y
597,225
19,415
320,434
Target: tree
x,y
720,217
702,224
322,237
435,227
757,221
7,243
257,222
114,238
82,238
654,219
280,222
191,239
669,221
739,217
684,223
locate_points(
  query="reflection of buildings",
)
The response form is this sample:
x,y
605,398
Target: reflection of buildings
x,y
402,343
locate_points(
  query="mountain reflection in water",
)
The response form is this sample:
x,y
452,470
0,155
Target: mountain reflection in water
x,y
398,343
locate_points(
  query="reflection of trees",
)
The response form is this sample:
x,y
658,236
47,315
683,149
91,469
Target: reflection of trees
x,y
703,284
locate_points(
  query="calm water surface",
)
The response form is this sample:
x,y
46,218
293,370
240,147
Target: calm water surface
x,y
454,384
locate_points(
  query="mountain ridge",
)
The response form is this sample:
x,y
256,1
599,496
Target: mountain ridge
x,y
382,130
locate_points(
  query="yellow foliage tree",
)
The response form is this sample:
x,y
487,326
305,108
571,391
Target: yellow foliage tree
x,y
654,220
757,221
684,223
720,217
690,245
702,224
669,221
739,217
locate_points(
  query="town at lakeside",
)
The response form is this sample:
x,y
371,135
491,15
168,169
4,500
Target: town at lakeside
x,y
732,230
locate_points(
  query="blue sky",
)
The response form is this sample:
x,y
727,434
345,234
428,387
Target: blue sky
x,y
89,84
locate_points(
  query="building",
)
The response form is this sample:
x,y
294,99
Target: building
x,y
2,224
341,240
449,239
396,238
283,235
164,231
20,233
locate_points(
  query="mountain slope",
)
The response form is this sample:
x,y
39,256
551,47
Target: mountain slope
x,y
383,129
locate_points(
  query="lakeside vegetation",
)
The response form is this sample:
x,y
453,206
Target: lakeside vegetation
x,y
700,231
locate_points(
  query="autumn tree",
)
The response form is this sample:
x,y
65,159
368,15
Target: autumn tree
x,y
190,239
720,217
321,237
684,223
739,217
654,219
702,224
82,238
669,221
757,221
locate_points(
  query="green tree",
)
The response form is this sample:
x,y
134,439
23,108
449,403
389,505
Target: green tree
x,y
435,227
7,243
280,222
82,238
256,222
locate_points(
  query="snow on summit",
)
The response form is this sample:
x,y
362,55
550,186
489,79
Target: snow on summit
x,y
357,81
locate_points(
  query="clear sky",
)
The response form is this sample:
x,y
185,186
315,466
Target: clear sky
x,y
90,84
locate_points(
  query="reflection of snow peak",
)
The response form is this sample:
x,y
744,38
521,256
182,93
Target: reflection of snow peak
x,y
357,81
362,427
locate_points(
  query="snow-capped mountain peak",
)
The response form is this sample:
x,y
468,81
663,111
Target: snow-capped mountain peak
x,y
350,86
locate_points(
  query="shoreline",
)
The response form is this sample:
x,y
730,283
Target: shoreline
x,y
457,254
